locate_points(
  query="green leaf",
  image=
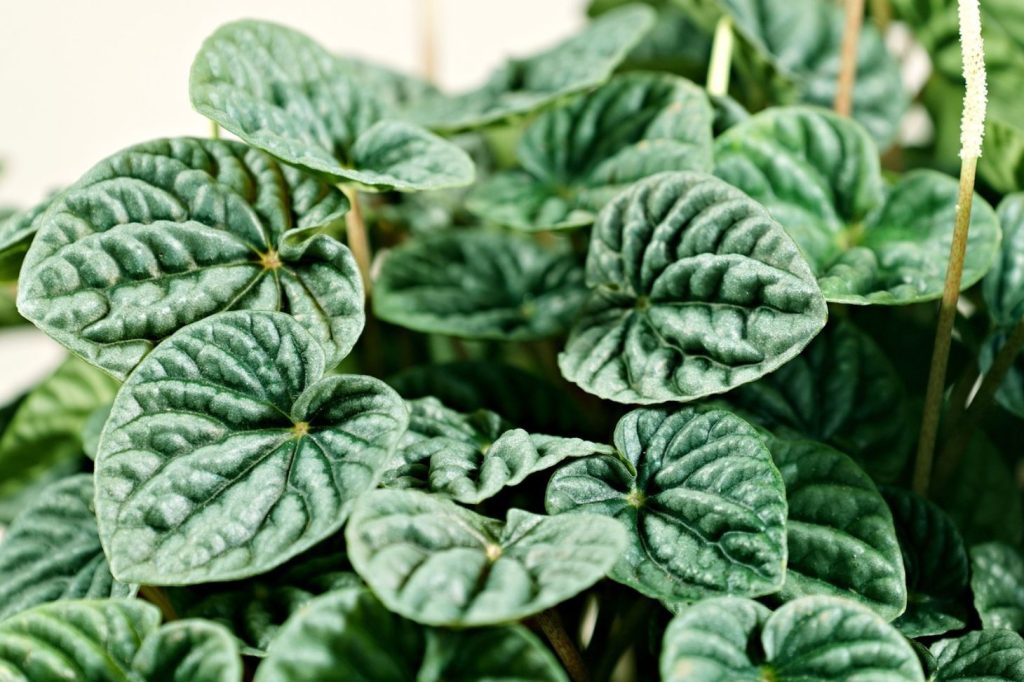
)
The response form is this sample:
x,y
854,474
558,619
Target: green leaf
x,y
170,232
391,88
839,531
1010,394
841,390
696,290
481,285
814,639
818,174
349,635
437,563
471,457
227,451
936,563
986,656
283,93
1003,287
703,505
522,86
16,234
1002,157
997,580
45,430
52,551
189,651
92,428
575,158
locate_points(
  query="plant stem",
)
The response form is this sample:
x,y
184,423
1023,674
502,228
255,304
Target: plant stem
x,y
551,625
721,58
355,231
625,634
214,130
881,10
848,57
428,28
959,396
155,596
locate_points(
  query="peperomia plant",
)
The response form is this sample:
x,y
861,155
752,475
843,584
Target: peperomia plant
x,y
609,369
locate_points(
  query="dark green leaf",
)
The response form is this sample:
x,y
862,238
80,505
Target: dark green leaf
x,y
189,651
92,428
16,233
987,656
1002,157
997,580
1003,287
1010,394
675,43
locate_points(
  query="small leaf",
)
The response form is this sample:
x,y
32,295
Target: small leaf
x,y
696,290
997,580
437,563
189,651
699,496
1003,287
349,635
986,656
227,451
1002,157
814,639
480,285
281,92
52,551
522,86
16,233
170,232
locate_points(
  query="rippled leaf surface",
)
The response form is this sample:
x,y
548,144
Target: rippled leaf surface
x,y
349,634
52,551
695,290
16,233
437,563
997,580
987,656
703,505
481,285
227,451
283,93
575,158
808,640
170,232
189,651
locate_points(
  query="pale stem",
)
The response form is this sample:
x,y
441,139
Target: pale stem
x,y
157,597
214,130
428,28
881,10
551,625
721,58
848,57
355,231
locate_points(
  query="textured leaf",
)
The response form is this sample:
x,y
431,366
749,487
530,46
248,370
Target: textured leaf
x,y
808,640
281,92
577,157
52,551
696,290
1003,287
169,232
92,428
16,233
189,651
471,457
699,496
391,88
987,656
841,390
227,451
521,86
477,284
997,580
936,563
349,635
818,174
675,43
1010,394
437,563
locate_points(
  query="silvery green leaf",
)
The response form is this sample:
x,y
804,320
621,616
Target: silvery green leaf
x,y
997,580
1003,287
986,656
92,428
189,651
391,88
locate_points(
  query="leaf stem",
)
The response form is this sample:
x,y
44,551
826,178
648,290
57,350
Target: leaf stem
x,y
214,130
848,57
355,231
721,58
959,396
551,625
157,597
881,10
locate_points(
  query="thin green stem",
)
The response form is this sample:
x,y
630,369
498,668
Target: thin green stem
x,y
157,597
355,232
959,396
214,130
550,624
848,57
721,58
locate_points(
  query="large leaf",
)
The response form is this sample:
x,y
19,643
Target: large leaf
x,y
16,233
471,457
841,390
695,291
814,639
1003,287
675,44
437,563
114,641
986,656
227,451
699,496
997,580
575,158
52,551
476,284
169,232
936,563
283,93
839,530
349,635
818,174
521,86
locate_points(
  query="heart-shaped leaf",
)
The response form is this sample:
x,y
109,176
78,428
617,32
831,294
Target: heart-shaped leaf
x,y
189,651
16,233
997,580
696,290
575,158
482,285
818,174
169,232
839,530
1003,287
936,563
699,496
814,639
227,451
52,551
521,86
986,656
283,93
471,457
841,390
349,635
437,563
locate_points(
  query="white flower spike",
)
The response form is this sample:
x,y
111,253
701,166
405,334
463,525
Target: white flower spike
x,y
972,48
